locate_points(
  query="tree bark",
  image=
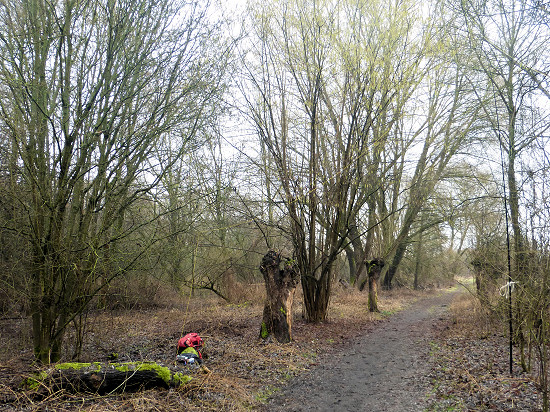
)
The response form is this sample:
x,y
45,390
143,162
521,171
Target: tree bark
x,y
357,270
419,258
394,265
280,286
351,264
374,268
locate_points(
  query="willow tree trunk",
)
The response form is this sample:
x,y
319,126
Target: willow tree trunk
x,y
374,268
280,285
392,270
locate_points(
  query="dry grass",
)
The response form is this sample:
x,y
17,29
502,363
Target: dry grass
x,y
470,364
470,318
243,370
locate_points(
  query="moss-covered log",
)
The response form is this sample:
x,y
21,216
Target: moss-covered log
x,y
107,378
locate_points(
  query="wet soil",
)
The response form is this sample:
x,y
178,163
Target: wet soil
x,y
386,369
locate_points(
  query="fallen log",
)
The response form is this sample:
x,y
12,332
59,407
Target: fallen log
x,y
101,378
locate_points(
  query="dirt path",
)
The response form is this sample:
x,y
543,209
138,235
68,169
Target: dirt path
x,y
384,370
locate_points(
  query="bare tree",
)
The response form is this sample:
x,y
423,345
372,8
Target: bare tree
x,y
444,129
88,89
503,36
331,82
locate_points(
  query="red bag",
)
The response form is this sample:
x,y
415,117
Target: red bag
x,y
191,340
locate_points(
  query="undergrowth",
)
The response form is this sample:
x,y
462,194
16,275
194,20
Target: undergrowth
x,y
244,371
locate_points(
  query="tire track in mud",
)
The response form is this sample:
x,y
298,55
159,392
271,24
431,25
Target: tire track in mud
x,y
384,370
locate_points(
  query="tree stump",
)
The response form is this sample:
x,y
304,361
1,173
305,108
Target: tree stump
x,y
374,268
280,285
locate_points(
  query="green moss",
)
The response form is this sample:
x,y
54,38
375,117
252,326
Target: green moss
x,y
34,382
283,311
181,379
162,371
121,367
72,365
78,366
264,333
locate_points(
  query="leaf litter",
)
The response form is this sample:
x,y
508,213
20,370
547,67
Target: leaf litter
x,y
468,366
470,369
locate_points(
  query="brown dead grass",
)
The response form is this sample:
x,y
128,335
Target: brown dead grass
x,y
470,318
470,364
244,371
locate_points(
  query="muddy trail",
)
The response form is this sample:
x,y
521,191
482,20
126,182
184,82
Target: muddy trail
x,y
384,370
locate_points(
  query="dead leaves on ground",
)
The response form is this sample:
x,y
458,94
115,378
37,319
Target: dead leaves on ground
x,y
244,370
470,370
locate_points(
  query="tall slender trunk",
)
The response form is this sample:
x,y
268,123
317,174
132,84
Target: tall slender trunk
x,y
418,264
392,270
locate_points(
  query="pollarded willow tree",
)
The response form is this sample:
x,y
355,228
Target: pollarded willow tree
x,y
88,89
422,120
326,83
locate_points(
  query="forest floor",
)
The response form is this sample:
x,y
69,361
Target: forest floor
x,y
426,351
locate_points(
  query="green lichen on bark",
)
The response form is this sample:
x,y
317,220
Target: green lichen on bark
x,y
264,332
